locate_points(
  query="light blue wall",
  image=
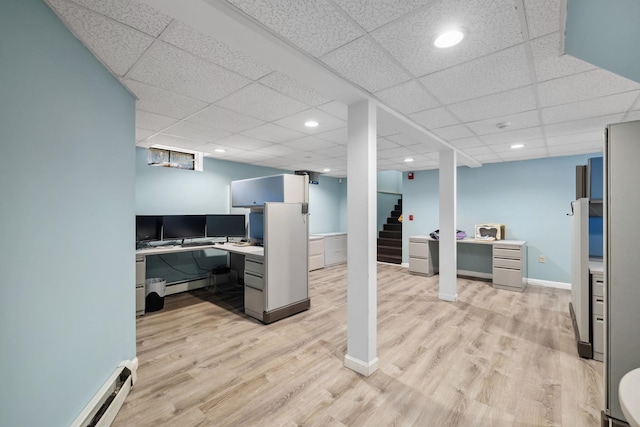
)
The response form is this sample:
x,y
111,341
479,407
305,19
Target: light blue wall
x,y
531,197
390,181
605,33
167,191
67,188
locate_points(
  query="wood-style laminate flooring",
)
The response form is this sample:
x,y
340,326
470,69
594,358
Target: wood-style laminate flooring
x,y
494,358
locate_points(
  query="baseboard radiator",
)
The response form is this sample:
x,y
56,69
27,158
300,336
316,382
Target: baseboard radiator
x,y
104,406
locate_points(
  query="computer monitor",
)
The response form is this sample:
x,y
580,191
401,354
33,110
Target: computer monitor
x,y
148,228
183,226
222,225
256,226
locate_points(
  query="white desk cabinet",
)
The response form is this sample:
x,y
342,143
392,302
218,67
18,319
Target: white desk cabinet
x,y
141,266
254,296
509,265
335,248
420,260
597,314
316,252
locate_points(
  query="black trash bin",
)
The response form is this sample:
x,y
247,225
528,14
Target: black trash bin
x,y
155,291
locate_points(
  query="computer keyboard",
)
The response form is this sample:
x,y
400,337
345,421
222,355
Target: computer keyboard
x,y
195,244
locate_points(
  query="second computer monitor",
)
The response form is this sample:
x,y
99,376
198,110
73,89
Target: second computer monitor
x,y
183,226
223,225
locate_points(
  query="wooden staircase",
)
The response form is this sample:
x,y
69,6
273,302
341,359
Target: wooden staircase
x,y
390,237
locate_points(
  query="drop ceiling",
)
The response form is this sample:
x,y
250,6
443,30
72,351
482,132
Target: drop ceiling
x,y
244,75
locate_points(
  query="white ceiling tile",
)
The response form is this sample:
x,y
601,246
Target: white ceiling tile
x,y
273,133
575,138
523,154
365,64
243,142
498,72
248,157
174,141
209,150
487,158
196,131
578,126
633,115
142,134
386,128
475,151
151,121
162,102
403,140
435,118
261,102
221,118
512,137
465,143
453,132
178,71
132,13
294,89
337,136
492,25
276,150
407,97
395,152
384,143
372,14
144,143
117,46
586,147
308,143
207,47
549,64
296,121
606,105
496,105
578,87
424,149
337,109
314,26
338,151
516,121
543,16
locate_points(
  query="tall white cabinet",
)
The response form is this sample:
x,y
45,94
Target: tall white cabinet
x,y
621,261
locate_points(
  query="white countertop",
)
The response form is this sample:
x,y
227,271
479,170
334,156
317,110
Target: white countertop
x,y
471,240
227,247
335,233
629,394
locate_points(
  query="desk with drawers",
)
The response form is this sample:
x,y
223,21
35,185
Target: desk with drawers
x,y
508,260
265,299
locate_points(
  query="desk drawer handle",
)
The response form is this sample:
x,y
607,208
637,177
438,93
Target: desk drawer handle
x,y
254,275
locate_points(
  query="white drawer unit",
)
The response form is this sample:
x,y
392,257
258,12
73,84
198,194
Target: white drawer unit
x,y
141,267
597,315
420,261
509,265
316,252
254,279
335,249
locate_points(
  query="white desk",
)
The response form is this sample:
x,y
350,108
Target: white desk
x,y
227,247
508,260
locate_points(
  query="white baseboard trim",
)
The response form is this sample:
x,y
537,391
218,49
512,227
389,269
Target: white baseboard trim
x,y
359,366
549,284
132,365
405,265
448,297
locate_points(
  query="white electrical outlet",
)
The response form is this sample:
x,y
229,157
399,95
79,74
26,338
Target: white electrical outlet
x,y
541,259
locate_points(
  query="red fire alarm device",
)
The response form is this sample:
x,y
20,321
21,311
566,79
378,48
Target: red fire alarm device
x,y
410,217
410,175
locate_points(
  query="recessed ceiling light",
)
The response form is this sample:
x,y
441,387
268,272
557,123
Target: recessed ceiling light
x,y
220,150
408,160
311,124
326,170
448,39
516,146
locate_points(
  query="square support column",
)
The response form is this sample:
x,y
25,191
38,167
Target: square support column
x,y
361,240
448,257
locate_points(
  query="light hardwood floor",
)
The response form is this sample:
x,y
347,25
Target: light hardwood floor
x,y
494,358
